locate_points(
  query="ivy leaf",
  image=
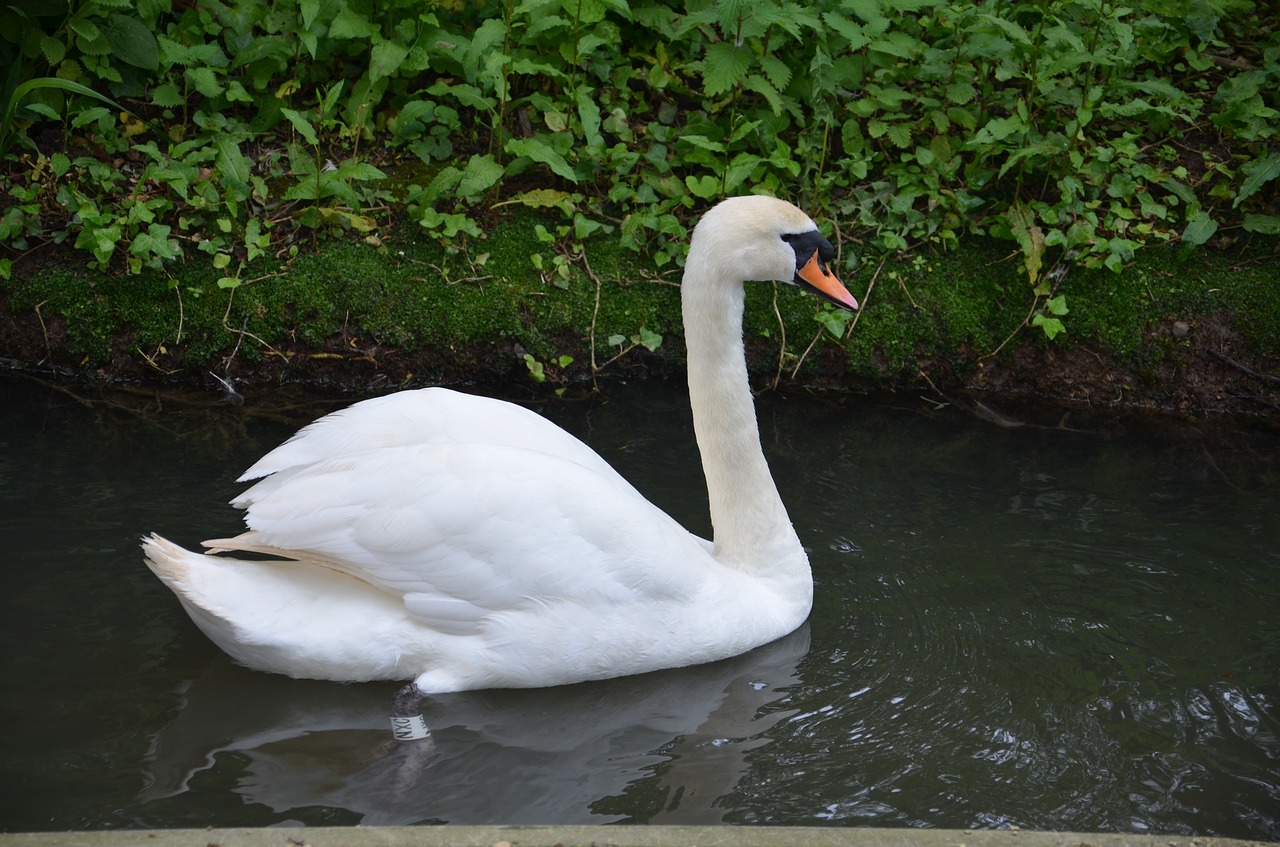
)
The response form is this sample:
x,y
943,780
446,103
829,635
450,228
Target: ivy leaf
x,y
703,187
724,67
155,241
1051,326
649,340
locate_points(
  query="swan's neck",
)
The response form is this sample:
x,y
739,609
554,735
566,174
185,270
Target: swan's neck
x,y
752,531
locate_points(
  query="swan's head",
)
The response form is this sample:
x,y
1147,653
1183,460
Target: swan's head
x,y
758,238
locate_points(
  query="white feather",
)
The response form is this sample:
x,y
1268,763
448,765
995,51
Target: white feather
x,y
467,543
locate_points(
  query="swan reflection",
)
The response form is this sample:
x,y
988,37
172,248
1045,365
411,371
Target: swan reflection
x,y
523,757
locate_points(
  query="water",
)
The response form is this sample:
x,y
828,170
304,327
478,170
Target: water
x,y
1031,627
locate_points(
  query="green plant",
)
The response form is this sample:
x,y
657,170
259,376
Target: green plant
x,y
1079,130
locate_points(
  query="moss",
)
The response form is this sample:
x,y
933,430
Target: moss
x,y
482,300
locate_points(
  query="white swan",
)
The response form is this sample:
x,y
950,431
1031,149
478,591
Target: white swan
x,y
467,543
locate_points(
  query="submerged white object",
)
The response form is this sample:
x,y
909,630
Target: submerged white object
x,y
466,543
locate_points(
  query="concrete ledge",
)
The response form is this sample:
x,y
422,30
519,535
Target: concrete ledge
x,y
598,836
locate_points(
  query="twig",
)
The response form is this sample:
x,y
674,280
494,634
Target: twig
x,y
242,332
1035,302
48,351
595,313
177,289
782,339
856,317
1244,369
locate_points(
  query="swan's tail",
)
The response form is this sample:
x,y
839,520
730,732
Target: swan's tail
x,y
288,617
207,592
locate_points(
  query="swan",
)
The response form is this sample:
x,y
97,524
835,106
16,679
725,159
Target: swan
x,y
466,543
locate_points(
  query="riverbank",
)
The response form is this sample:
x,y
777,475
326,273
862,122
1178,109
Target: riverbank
x,y
1188,337
591,836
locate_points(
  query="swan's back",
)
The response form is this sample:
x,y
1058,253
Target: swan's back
x,y
424,416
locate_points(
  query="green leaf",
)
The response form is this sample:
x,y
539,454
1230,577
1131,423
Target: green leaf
x,y
1057,305
167,96
385,59
132,42
1200,229
302,124
703,142
1051,326
205,81
961,92
53,49
1022,223
1011,29
998,129
351,24
705,187
724,67
900,135
1259,173
542,198
155,241
481,174
897,44
589,115
777,71
543,153
1265,224
651,341
231,163
851,31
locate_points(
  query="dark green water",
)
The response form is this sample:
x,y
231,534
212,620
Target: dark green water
x,y
1027,627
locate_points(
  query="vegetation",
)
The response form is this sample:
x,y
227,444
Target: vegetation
x,y
199,146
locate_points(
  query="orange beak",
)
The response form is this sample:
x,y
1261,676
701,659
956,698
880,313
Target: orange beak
x,y
817,277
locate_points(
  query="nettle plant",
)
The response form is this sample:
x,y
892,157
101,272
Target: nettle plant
x,y
1079,130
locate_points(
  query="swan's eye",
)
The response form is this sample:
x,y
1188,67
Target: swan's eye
x,y
805,244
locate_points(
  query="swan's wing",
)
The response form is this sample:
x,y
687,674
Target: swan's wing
x,y
424,416
465,531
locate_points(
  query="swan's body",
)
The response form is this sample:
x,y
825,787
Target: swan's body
x,y
467,543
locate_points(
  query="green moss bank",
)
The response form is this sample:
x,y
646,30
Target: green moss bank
x,y
1190,336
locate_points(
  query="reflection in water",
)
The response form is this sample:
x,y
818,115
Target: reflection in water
x,y
549,754
1033,627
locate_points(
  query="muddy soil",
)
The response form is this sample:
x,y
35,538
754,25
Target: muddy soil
x,y
1203,373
